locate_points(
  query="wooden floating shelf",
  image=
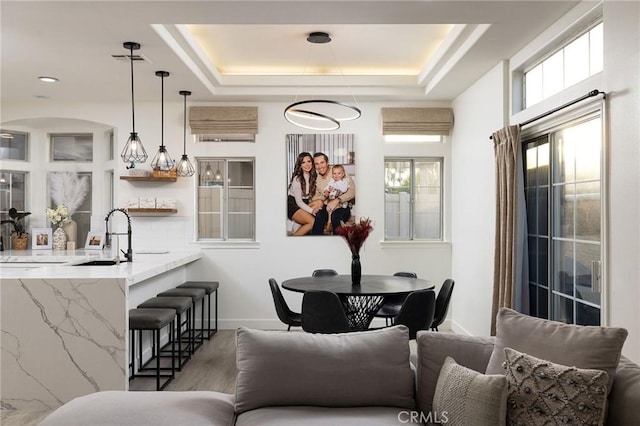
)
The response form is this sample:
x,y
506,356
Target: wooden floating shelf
x,y
151,212
150,178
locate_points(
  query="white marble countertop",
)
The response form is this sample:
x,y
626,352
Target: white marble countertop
x,y
67,264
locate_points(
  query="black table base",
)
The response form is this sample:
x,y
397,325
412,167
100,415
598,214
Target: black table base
x,y
361,310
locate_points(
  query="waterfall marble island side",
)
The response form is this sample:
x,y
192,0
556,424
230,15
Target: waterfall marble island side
x,y
64,327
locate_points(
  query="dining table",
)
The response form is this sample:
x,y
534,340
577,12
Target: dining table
x,y
360,301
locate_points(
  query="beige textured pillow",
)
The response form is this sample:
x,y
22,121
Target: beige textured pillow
x,y
465,397
368,368
541,392
583,346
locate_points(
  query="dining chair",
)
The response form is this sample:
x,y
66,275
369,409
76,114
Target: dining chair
x,y
324,273
286,315
417,311
322,312
392,303
442,303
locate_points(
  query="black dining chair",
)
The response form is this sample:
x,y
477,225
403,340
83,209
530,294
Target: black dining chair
x,y
324,273
417,311
442,303
392,303
286,315
322,312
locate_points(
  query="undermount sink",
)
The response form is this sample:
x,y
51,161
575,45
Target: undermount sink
x,y
100,262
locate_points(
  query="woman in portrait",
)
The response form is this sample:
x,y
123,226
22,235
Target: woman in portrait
x,y
302,186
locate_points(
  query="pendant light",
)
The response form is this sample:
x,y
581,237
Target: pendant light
x,y
320,114
162,159
133,151
185,168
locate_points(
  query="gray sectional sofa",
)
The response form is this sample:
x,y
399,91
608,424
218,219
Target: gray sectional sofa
x,y
367,379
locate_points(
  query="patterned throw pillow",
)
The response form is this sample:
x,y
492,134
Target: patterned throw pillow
x,y
465,397
543,393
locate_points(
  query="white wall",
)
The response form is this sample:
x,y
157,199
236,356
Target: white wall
x,y
622,81
243,270
479,111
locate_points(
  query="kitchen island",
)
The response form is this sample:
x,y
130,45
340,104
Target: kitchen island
x,y
64,325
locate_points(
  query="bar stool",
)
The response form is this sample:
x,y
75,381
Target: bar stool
x,y
180,306
197,295
209,287
153,320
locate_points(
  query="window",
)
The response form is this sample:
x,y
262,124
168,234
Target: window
x,y
13,145
72,147
226,199
12,194
82,215
563,189
413,199
576,61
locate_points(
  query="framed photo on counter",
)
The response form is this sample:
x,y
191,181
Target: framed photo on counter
x,y
94,241
42,239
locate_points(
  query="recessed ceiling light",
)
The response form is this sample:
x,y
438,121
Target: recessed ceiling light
x,y
48,79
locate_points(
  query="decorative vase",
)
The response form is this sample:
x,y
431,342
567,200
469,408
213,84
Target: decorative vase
x,y
59,239
19,242
356,270
71,229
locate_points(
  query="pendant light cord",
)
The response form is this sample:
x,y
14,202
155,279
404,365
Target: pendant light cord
x,y
162,110
133,111
184,126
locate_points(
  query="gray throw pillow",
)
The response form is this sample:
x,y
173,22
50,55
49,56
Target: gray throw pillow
x,y
542,392
434,347
582,346
465,397
368,368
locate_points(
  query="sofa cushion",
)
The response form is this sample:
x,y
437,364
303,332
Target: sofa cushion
x,y
468,398
433,349
194,408
624,398
542,392
324,416
368,368
574,345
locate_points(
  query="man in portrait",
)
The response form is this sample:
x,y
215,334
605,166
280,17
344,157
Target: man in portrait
x,y
334,210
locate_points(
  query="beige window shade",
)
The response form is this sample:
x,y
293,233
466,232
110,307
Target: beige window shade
x,y
223,120
417,121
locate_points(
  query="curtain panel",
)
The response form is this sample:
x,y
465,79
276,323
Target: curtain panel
x,y
510,274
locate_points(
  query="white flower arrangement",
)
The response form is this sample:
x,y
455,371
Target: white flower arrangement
x,y
59,216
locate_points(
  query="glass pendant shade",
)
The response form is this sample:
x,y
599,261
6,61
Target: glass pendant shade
x,y
185,168
133,151
162,160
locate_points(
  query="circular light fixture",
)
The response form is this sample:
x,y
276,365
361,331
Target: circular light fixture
x,y
48,79
320,114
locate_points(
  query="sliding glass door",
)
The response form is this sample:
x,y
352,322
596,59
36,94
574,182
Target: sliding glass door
x,y
563,188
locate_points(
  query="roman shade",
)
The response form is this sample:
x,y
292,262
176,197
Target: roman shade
x,y
417,121
223,120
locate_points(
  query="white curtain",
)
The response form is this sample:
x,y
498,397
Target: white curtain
x,y
510,275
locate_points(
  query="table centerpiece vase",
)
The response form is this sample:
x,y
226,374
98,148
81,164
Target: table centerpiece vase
x,y
355,235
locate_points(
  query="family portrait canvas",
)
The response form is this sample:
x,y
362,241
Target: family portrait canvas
x,y
321,183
